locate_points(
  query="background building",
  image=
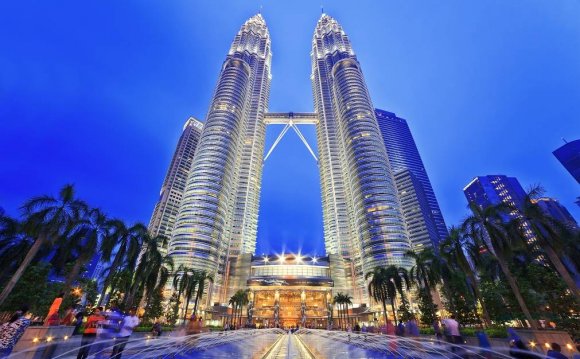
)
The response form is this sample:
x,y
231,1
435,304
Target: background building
x,y
569,157
167,206
423,216
554,209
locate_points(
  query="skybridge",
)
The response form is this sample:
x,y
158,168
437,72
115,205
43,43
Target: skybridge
x,y
291,120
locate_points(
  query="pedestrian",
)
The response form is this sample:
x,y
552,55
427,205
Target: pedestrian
x,y
413,328
108,330
400,331
128,324
78,321
90,332
452,330
11,331
556,352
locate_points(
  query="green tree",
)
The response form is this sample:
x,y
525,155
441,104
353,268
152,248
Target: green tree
x,y
427,308
121,251
459,250
385,284
426,274
487,228
548,234
46,219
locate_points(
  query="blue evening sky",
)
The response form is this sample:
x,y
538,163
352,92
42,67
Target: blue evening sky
x,y
95,93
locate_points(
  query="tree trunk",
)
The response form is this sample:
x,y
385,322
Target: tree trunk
x,y
394,313
385,312
71,277
22,267
108,279
486,317
514,287
561,269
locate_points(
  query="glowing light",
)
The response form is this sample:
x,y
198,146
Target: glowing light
x,y
48,339
65,337
314,259
547,345
299,258
569,346
281,258
532,344
265,259
35,340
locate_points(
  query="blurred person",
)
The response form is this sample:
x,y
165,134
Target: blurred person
x,y
556,352
90,332
127,325
12,331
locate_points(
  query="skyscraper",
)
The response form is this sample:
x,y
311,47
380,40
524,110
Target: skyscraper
x,y
167,206
218,213
423,216
569,157
361,210
554,209
493,190
216,225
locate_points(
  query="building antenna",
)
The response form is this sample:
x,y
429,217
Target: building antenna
x,y
322,8
260,11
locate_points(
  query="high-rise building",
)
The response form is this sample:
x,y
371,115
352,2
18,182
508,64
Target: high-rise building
x,y
167,206
569,157
423,216
216,225
492,190
219,210
554,209
361,210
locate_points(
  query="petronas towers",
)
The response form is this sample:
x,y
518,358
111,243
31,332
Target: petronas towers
x,y
217,219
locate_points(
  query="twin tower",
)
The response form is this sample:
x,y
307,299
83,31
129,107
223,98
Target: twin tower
x,y
218,215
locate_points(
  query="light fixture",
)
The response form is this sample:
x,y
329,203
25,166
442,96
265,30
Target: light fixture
x,y
65,337
265,259
314,259
547,345
281,258
48,339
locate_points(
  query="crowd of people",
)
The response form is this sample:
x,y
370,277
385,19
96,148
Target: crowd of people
x,y
103,330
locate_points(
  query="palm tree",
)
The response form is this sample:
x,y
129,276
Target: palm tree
x,y
242,300
549,234
385,284
202,278
346,301
125,243
338,301
426,272
191,284
180,283
234,302
487,228
456,248
146,274
46,218
91,231
14,244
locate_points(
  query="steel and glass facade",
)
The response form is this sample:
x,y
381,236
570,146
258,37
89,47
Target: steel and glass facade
x,y
219,208
361,211
166,208
423,216
216,226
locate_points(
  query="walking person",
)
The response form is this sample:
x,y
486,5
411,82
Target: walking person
x,y
11,331
452,330
107,331
90,333
128,324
